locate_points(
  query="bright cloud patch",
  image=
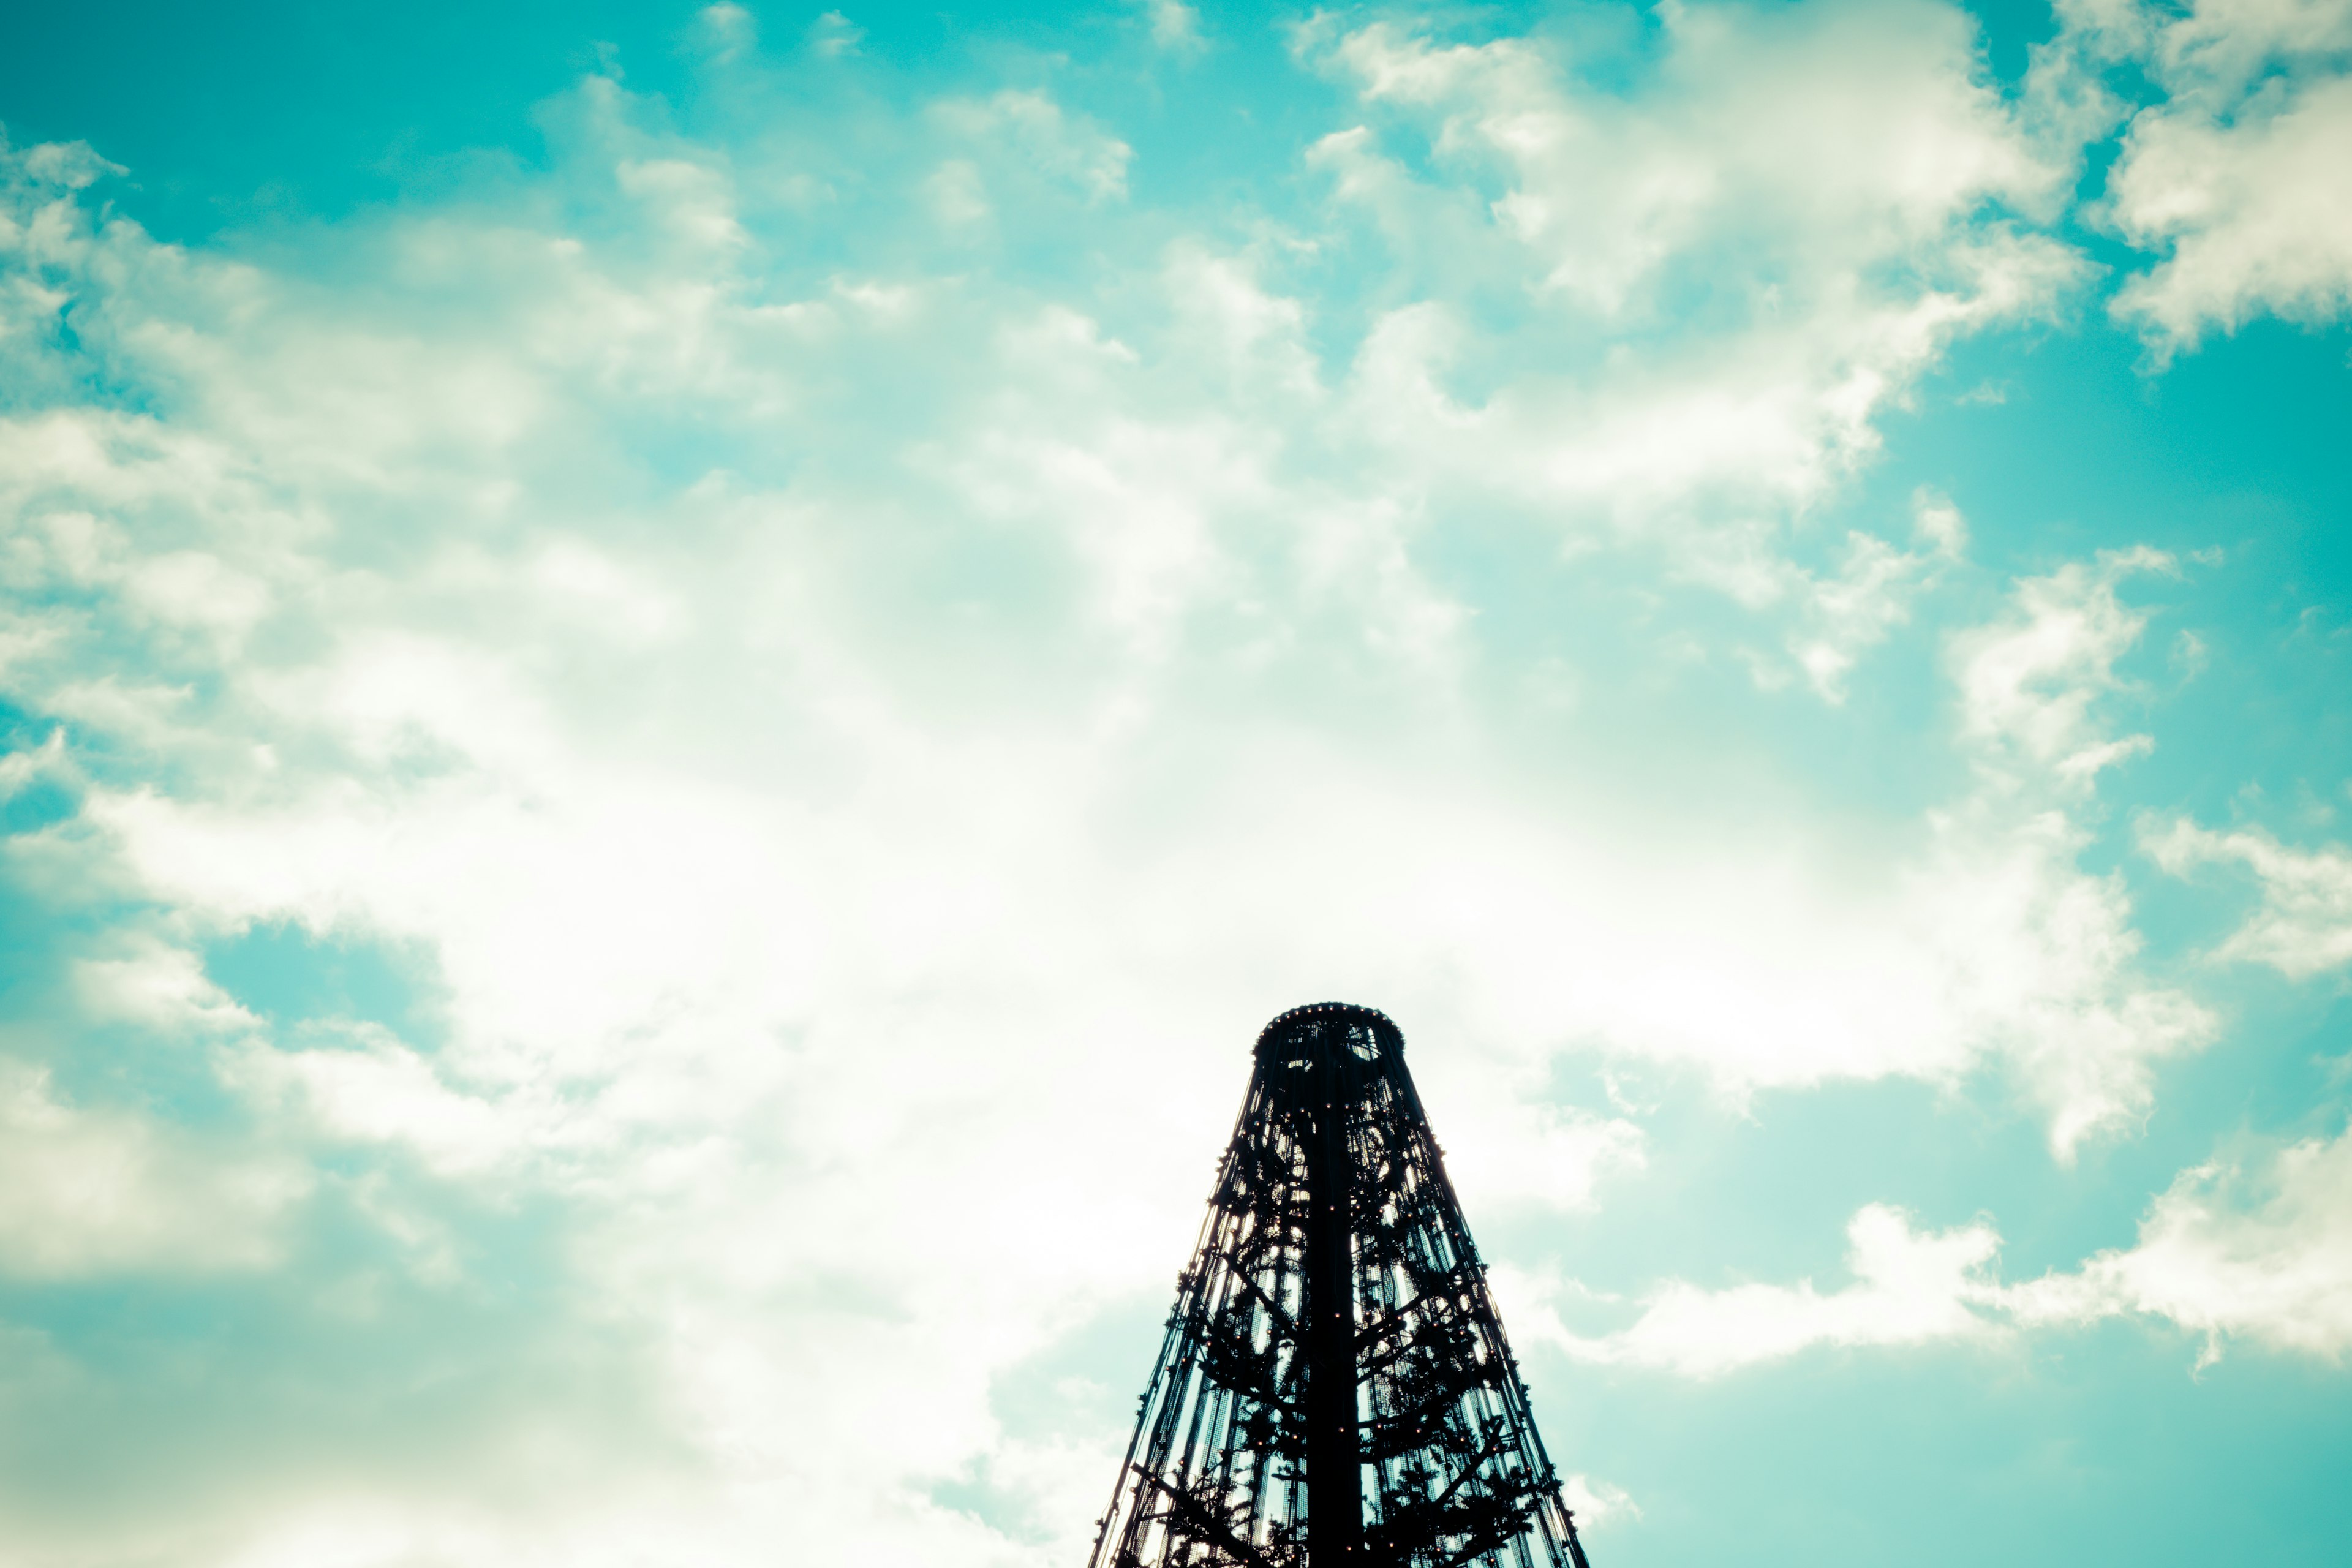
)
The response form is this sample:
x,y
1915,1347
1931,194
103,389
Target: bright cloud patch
x,y
1909,1289
90,1192
1833,263
2237,177
2262,1254
856,666
2304,925
2259,1252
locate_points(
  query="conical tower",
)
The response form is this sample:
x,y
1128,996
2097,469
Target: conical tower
x,y
1335,1390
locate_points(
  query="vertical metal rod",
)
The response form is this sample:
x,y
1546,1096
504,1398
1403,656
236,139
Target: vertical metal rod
x,y
1335,1496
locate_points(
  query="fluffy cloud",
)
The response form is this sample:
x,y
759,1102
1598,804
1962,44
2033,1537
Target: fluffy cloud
x,y
2258,1251
1175,26
1036,129
2251,214
1870,595
2235,176
854,740
1827,192
2304,925
1910,1288
2030,685
2028,682
160,986
92,1192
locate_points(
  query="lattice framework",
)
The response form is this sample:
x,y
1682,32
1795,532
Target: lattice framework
x,y
1335,1389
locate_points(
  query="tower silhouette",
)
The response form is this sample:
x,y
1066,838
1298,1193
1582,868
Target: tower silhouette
x,y
1335,1390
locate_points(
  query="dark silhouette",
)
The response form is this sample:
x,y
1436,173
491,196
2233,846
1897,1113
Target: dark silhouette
x,y
1335,1390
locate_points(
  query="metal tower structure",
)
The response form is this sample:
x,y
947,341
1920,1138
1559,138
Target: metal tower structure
x,y
1335,1390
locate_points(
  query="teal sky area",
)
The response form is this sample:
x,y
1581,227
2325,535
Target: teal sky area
x,y
676,684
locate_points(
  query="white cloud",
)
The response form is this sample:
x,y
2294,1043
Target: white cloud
x,y
1175,26
2218,48
2304,925
1500,1149
90,1192
728,28
958,193
2028,682
693,203
2234,176
2262,1254
1910,1288
47,762
1597,1503
832,35
373,1090
1730,281
1837,136
2253,217
2085,1030
2258,1251
160,986
850,748
1871,593
503,832
1048,139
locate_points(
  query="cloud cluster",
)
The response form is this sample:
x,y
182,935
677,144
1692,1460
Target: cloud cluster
x,y
1830,195
846,729
1909,1289
2258,1251
2304,926
2233,174
95,1191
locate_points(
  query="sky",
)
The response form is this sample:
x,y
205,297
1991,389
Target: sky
x,y
677,684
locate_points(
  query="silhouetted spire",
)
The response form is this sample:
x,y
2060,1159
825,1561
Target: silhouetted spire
x,y
1335,1390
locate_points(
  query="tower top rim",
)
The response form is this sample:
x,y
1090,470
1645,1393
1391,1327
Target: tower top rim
x,y
1379,1025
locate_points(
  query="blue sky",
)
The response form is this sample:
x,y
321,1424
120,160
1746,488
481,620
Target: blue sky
x,y
678,683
